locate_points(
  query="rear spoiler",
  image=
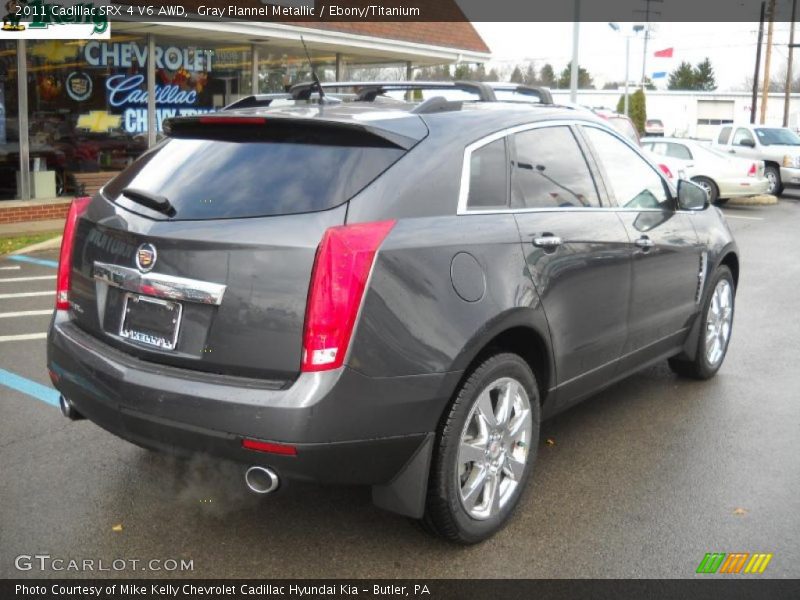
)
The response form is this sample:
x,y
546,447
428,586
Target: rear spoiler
x,y
402,133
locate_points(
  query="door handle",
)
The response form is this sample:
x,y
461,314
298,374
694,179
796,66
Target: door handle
x,y
547,241
645,243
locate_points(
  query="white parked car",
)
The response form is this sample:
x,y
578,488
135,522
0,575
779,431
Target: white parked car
x,y
654,128
722,175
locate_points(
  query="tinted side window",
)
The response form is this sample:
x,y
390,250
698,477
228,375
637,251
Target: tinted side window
x,y
634,182
678,151
549,170
724,135
488,176
742,134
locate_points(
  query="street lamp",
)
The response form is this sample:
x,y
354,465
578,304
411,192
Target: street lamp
x,y
636,29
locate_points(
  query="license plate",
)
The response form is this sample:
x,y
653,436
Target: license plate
x,y
151,321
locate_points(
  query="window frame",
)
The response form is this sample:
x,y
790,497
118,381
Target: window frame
x,y
594,174
749,132
463,194
671,193
728,135
507,146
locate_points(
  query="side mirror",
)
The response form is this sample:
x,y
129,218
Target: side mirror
x,y
747,142
691,196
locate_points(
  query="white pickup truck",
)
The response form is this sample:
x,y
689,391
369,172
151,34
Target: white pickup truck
x,y
778,147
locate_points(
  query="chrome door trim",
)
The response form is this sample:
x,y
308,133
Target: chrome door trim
x,y
159,285
463,192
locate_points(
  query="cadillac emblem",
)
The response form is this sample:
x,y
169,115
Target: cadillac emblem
x,y
146,257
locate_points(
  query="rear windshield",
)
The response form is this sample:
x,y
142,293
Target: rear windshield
x,y
225,178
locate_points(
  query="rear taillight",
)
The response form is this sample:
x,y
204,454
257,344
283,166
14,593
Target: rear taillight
x,y
76,209
341,269
753,170
665,169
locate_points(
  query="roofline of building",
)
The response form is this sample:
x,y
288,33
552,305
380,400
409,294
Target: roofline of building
x,y
280,31
737,94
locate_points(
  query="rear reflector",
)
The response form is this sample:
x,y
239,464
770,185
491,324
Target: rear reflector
x,y
63,279
270,447
665,169
753,170
341,269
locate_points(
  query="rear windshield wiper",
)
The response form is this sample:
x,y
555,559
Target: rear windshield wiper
x,y
159,203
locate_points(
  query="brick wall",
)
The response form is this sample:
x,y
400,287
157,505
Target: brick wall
x,y
18,212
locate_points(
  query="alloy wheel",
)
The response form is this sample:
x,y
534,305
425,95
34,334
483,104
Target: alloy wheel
x,y
718,322
494,448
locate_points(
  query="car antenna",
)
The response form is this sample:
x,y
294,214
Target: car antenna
x,y
313,73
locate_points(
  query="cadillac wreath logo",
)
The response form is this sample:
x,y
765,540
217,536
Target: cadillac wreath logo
x,y
146,257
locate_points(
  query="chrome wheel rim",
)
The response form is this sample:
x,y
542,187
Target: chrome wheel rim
x,y
494,447
773,181
718,322
706,186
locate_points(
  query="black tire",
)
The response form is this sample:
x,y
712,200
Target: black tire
x,y
709,186
722,201
445,514
701,367
776,186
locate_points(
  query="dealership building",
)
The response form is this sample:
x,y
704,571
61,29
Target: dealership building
x,y
75,112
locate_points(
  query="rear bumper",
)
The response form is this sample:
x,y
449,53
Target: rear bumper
x,y
347,428
746,186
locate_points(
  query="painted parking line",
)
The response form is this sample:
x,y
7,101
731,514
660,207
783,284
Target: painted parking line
x,y
34,261
22,337
25,313
11,268
26,294
29,387
19,279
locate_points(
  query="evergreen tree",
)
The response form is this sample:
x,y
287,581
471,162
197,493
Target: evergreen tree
x,y
547,76
516,75
704,76
682,78
584,79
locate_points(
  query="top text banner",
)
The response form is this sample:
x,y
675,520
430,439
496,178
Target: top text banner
x,y
43,14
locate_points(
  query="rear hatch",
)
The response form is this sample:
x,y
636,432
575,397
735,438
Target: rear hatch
x,y
200,254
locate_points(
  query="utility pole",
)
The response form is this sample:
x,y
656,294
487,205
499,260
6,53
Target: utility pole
x,y
765,85
573,76
754,100
648,13
789,76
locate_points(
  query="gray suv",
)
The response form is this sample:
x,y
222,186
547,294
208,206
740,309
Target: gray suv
x,y
389,296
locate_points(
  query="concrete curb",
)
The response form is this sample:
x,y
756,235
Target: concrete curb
x,y
762,200
45,245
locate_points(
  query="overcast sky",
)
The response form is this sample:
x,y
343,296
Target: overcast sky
x,y
730,46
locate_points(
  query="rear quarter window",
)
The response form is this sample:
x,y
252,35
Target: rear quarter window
x,y
488,176
230,178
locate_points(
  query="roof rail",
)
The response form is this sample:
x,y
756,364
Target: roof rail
x,y
256,100
543,93
437,104
368,90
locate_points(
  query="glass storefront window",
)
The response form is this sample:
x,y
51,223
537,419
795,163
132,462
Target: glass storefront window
x,y
9,123
87,100
280,68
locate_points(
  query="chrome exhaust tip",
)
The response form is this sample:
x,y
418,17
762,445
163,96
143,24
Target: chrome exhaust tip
x,y
68,409
261,480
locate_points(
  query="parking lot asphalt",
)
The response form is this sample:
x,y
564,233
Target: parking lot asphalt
x,y
640,481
